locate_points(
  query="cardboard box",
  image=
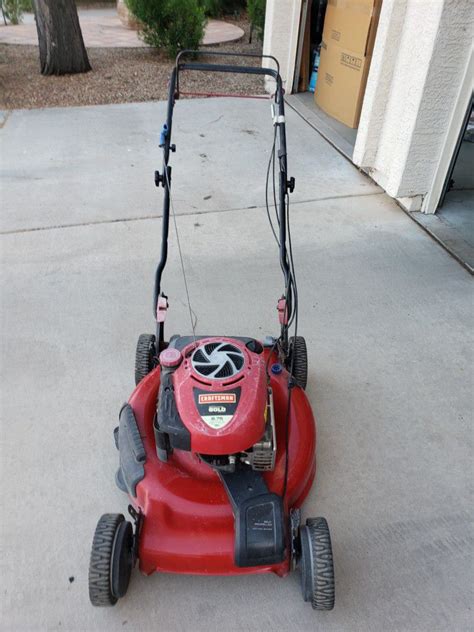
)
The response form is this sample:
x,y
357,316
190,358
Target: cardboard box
x,y
340,88
349,33
352,24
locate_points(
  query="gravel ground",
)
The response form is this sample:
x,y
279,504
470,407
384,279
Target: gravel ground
x,y
119,75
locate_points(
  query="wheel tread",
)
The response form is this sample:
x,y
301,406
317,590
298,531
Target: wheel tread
x,y
299,355
100,561
323,578
144,355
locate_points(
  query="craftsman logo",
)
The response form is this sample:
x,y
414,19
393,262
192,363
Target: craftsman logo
x,y
351,61
216,409
217,398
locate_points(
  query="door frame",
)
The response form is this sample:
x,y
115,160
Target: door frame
x,y
432,198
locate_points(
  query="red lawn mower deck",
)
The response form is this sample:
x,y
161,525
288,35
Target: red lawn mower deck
x,y
217,442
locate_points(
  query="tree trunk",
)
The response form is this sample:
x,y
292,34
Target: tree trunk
x,y
61,46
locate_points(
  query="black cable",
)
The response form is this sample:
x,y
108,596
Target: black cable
x,y
292,267
290,295
291,382
274,188
272,157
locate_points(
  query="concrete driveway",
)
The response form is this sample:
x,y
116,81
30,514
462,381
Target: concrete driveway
x,y
386,312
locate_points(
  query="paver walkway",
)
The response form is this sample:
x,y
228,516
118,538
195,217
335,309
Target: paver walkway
x,y
103,29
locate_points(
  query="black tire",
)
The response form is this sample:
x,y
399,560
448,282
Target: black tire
x,y
298,357
317,568
145,356
111,560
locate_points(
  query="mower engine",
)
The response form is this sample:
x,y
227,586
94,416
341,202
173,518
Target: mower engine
x,y
215,400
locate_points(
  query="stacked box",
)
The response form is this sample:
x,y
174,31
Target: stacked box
x,y
348,39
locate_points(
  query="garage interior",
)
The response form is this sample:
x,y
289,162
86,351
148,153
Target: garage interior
x,y
452,225
330,98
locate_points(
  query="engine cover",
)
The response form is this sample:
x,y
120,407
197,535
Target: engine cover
x,y
220,390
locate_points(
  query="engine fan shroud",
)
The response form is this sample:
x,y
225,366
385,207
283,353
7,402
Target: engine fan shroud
x,y
217,360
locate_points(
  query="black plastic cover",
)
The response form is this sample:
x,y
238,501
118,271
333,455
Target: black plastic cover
x,y
168,420
179,342
259,519
132,452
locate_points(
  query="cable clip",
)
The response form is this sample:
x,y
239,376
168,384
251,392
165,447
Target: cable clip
x,y
277,118
282,311
161,309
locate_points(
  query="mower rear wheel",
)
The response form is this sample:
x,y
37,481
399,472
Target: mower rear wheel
x,y
111,560
298,358
317,569
145,356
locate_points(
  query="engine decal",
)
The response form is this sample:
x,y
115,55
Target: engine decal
x,y
216,409
217,398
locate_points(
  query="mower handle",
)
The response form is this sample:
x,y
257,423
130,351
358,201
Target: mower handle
x,y
215,53
285,185
230,68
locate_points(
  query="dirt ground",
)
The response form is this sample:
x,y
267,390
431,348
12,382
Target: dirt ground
x,y
119,75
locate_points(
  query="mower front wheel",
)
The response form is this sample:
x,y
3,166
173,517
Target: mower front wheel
x,y
145,356
316,564
111,560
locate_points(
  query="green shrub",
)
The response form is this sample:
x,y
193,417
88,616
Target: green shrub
x,y
170,25
216,8
256,11
212,8
13,9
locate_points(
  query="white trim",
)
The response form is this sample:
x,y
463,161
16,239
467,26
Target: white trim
x,y
381,73
300,45
282,25
431,200
293,45
418,66
410,204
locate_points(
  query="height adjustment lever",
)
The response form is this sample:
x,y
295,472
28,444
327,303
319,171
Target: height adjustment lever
x,y
160,178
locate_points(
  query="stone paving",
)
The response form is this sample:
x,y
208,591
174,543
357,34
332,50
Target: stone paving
x,y
103,29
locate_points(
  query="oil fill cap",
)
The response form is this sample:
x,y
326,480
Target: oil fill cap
x,y
276,369
170,358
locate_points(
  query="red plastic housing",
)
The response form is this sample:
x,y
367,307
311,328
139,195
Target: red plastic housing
x,y
247,424
188,524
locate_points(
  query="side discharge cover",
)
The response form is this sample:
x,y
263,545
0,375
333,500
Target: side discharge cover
x,y
132,452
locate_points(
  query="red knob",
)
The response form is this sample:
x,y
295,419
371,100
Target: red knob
x,y
170,357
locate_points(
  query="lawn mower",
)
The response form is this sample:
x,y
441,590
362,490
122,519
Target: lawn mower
x,y
217,442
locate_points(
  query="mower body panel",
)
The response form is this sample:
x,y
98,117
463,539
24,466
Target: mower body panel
x,y
188,521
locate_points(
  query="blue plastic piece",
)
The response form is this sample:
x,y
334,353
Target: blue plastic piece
x,y
276,369
315,67
163,134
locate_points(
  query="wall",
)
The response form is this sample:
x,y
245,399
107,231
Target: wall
x,y
282,20
418,65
